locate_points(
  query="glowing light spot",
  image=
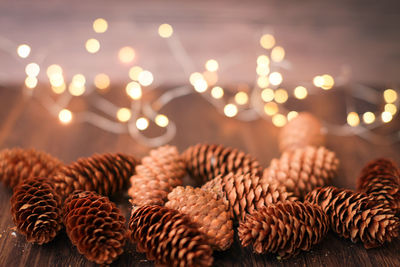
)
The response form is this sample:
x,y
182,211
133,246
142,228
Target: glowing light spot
x,y
200,85
32,69
134,90
161,120
281,96
390,95
79,80
92,46
328,82
142,123
230,110
145,78
217,92
391,108
353,119
134,72
386,116
126,54
65,116
279,120
56,79
100,25
77,86
271,108
291,115
267,95
194,77
165,30
23,50
241,98
262,81
124,114
54,69
102,81
278,54
31,82
59,89
300,92
263,60
267,41
262,70
275,78
211,65
368,117
318,81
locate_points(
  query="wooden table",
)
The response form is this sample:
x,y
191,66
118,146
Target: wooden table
x,y
24,123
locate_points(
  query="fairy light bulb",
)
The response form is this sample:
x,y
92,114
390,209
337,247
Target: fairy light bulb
x,y
217,92
267,95
31,82
271,108
275,78
318,81
23,50
92,46
267,41
134,90
291,115
126,54
230,110
165,30
142,123
281,96
300,92
161,120
100,25
134,73
262,70
59,89
391,108
65,116
278,54
263,60
353,119
386,116
241,98
200,85
368,117
145,78
194,77
262,81
390,96
102,81
328,82
212,65
32,69
279,120
124,114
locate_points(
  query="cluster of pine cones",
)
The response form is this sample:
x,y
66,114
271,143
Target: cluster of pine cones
x,y
283,209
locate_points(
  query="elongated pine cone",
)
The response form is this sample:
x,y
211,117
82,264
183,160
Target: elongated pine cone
x,y
356,216
245,193
36,210
211,214
169,237
105,174
18,164
285,228
303,169
380,178
95,226
156,176
304,130
204,161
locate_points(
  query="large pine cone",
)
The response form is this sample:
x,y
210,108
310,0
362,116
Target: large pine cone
x,y
212,215
304,130
157,175
95,226
105,174
36,210
18,164
204,162
380,178
285,228
169,237
356,215
303,169
246,192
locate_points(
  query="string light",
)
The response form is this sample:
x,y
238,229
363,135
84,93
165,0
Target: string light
x,y
353,119
59,89
53,69
134,72
263,60
300,92
267,41
56,79
102,81
23,50
275,78
390,95
217,92
211,65
124,114
262,70
126,54
230,110
31,82
262,81
145,78
267,95
281,96
386,116
142,123
165,30
32,69
368,117
278,54
241,98
279,120
65,116
328,82
134,90
77,86
391,108
161,120
194,77
200,85
291,115
92,46
271,108
100,25
318,81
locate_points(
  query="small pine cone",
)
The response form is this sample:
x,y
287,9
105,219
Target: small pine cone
x,y
204,161
95,226
356,216
303,169
157,175
36,210
245,193
212,215
18,164
169,237
380,178
304,130
284,228
105,174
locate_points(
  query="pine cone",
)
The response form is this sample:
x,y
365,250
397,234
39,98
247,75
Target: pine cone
x,y
169,237
304,130
95,226
204,162
212,215
303,169
105,174
380,178
157,175
356,215
285,228
246,192
36,210
18,164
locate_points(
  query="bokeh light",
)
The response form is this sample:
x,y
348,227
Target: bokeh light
x,y
368,117
278,54
53,69
65,116
275,78
100,25
102,81
262,81
134,90
194,77
200,85
230,110
328,82
279,120
390,95
386,116
262,70
291,115
23,50
161,120
142,123
31,82
300,92
353,119
217,92
165,30
391,108
267,95
281,96
134,72
126,54
241,98
145,78
267,41
318,81
32,69
263,60
92,46
271,108
124,114
59,89
211,65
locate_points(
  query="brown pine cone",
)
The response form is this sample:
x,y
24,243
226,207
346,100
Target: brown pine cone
x,y
36,210
157,175
303,169
246,192
169,237
105,174
204,161
285,228
18,164
95,226
356,216
212,215
304,130
380,178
